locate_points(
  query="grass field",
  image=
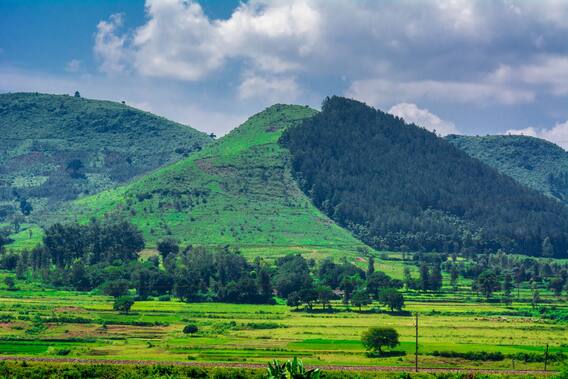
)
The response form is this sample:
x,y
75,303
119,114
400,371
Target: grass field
x,y
42,322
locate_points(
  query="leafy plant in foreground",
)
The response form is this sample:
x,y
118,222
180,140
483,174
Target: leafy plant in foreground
x,y
292,369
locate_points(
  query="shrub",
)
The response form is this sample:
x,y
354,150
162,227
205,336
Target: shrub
x,y
471,355
190,329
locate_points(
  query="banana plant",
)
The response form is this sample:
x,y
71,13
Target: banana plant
x,y
292,369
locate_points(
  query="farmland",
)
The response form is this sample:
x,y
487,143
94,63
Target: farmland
x,y
41,322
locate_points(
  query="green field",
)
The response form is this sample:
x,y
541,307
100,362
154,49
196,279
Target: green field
x,y
52,323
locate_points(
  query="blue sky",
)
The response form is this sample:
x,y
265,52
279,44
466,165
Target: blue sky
x,y
456,66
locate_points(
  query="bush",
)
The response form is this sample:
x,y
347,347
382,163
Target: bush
x,y
123,304
472,355
190,329
165,298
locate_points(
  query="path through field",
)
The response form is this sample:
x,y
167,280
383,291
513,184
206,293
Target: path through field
x,y
261,366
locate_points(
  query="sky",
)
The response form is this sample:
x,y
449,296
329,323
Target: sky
x,y
454,66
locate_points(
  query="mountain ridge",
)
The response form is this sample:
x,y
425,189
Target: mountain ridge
x,y
534,162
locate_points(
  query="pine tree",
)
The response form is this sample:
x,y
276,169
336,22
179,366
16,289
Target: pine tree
x,y
371,265
454,276
424,277
547,248
436,278
507,288
535,295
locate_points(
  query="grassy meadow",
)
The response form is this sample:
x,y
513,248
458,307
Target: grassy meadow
x,y
40,322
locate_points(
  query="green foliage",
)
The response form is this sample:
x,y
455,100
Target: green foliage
x,y
168,246
190,329
486,283
10,283
376,338
291,369
63,147
396,185
534,162
471,355
123,304
391,298
238,191
360,298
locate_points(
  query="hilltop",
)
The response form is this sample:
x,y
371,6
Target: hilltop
x,y
238,191
399,186
56,148
534,162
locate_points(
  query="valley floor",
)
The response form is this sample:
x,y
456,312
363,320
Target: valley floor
x,y
64,324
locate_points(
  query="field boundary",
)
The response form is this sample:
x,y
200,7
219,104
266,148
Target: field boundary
x,y
263,366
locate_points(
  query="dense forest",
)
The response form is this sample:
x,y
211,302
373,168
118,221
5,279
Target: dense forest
x,y
398,186
534,162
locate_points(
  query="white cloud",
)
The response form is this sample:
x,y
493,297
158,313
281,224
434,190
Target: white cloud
x,y
551,71
415,45
179,41
74,65
269,89
379,92
109,47
558,134
423,117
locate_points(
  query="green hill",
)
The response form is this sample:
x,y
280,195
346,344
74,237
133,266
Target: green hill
x,y
398,186
238,191
534,162
56,148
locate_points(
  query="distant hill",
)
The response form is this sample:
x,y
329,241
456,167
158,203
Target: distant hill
x,y
56,148
237,191
398,186
534,162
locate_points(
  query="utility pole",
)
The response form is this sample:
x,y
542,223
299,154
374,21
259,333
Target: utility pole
x,y
546,357
416,350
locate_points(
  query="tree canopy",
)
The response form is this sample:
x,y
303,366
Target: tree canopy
x,y
398,186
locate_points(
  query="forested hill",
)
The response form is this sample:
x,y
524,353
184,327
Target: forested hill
x,y
398,186
237,191
531,161
57,147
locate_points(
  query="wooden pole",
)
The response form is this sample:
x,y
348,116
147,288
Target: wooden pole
x,y
416,350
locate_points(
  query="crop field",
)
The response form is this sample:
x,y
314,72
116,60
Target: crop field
x,y
40,322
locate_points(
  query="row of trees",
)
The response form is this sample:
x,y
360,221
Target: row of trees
x,y
104,255
333,281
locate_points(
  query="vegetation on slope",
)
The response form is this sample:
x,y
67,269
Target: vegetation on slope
x,y
398,186
534,162
237,191
56,148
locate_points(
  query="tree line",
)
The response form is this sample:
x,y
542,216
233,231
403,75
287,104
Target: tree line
x,y
104,256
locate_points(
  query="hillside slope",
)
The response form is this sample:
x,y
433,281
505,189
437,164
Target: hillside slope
x,y
398,186
237,191
56,148
534,162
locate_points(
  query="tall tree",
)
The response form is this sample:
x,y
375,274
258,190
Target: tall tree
x,y
507,288
424,277
547,248
371,265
